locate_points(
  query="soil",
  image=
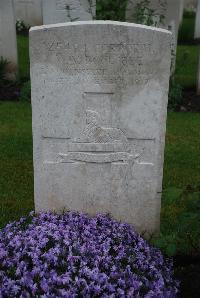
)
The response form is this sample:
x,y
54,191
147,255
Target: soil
x,y
187,271
190,42
191,101
10,91
24,32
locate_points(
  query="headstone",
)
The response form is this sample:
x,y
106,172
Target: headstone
x,y
172,10
197,22
99,102
29,11
8,44
190,5
181,11
61,11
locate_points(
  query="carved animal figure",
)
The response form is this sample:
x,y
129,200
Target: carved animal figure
x,y
95,133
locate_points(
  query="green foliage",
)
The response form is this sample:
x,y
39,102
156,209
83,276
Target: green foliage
x,y
111,10
16,178
189,14
167,243
25,94
182,158
187,59
145,15
23,58
175,95
21,27
180,222
172,195
186,30
3,65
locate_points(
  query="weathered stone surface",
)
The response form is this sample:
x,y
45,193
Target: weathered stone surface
x,y
61,11
181,11
8,44
29,11
99,101
171,10
190,5
197,22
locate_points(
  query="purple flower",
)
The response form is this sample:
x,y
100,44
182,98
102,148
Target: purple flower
x,y
74,255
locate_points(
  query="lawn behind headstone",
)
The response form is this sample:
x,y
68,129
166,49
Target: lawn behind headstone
x,y
181,168
16,169
187,65
23,56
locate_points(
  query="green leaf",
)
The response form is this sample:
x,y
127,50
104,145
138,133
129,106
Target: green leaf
x,y
171,249
160,242
172,195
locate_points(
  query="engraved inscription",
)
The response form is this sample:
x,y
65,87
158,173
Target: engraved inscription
x,y
79,55
106,63
95,157
141,149
92,52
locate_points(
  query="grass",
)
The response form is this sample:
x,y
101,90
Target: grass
x,y
182,159
16,168
187,60
23,56
187,57
186,30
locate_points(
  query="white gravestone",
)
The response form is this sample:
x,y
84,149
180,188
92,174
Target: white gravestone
x,y
190,5
172,10
29,11
8,43
61,11
181,11
197,22
99,102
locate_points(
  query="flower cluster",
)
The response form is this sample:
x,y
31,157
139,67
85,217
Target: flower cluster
x,y
74,255
20,26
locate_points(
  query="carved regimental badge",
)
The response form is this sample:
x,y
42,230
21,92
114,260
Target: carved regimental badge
x,y
98,144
